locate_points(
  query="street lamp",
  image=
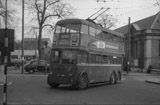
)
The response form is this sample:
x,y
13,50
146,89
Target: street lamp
x,y
128,63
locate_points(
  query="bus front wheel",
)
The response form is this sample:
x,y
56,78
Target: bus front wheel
x,y
82,82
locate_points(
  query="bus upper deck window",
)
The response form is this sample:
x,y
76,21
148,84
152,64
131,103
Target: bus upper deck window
x,y
98,32
63,29
67,30
84,29
72,31
58,29
74,28
92,31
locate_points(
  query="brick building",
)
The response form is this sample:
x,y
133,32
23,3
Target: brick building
x,y
32,43
144,42
30,48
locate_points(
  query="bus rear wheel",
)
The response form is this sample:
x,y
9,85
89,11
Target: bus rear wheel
x,y
82,82
113,79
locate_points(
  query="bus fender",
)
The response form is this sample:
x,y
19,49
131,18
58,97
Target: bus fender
x,y
81,73
84,73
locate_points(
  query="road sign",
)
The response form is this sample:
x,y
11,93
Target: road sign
x,y
7,41
2,75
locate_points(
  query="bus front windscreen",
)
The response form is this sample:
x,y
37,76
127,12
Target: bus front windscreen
x,y
63,56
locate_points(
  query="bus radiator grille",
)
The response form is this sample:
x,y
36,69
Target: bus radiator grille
x,y
62,80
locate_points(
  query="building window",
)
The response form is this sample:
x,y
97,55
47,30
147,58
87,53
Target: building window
x,y
136,49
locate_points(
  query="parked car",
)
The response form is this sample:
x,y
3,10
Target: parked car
x,y
36,65
17,63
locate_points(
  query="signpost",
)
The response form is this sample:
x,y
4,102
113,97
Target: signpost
x,y
2,76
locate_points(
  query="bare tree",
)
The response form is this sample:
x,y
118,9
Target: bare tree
x,y
10,14
45,12
107,21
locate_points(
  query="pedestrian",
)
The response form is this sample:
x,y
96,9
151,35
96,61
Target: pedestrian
x,y
128,68
149,68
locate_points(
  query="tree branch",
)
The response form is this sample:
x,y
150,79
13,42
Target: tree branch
x,y
51,16
48,25
38,12
52,3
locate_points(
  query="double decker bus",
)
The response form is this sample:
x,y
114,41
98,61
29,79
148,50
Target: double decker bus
x,y
84,53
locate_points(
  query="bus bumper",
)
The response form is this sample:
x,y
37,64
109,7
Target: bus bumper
x,y
61,79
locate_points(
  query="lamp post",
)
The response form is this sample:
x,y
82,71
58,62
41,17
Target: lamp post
x,y
128,63
22,36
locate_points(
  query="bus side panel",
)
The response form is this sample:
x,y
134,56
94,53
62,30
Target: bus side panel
x,y
103,72
92,72
97,73
111,69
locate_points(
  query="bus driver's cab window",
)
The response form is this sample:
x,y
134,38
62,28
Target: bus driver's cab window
x,y
55,56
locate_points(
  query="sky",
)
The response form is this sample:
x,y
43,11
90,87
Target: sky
x,y
119,9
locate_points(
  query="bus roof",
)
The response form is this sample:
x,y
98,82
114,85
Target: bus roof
x,y
87,22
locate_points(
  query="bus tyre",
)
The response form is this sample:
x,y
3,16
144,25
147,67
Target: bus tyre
x,y
82,82
113,79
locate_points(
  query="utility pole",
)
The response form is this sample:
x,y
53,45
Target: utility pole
x,y
5,59
128,63
22,36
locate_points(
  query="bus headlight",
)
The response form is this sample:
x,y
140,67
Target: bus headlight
x,y
55,38
71,74
51,72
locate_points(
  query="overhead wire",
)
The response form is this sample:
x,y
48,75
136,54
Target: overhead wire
x,y
141,8
136,10
127,7
123,1
146,5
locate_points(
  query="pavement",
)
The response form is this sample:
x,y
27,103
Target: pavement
x,y
153,77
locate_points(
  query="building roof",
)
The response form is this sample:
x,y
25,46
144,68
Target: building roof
x,y
28,40
26,52
35,39
152,22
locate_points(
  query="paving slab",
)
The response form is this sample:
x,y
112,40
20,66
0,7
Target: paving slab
x,y
154,80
